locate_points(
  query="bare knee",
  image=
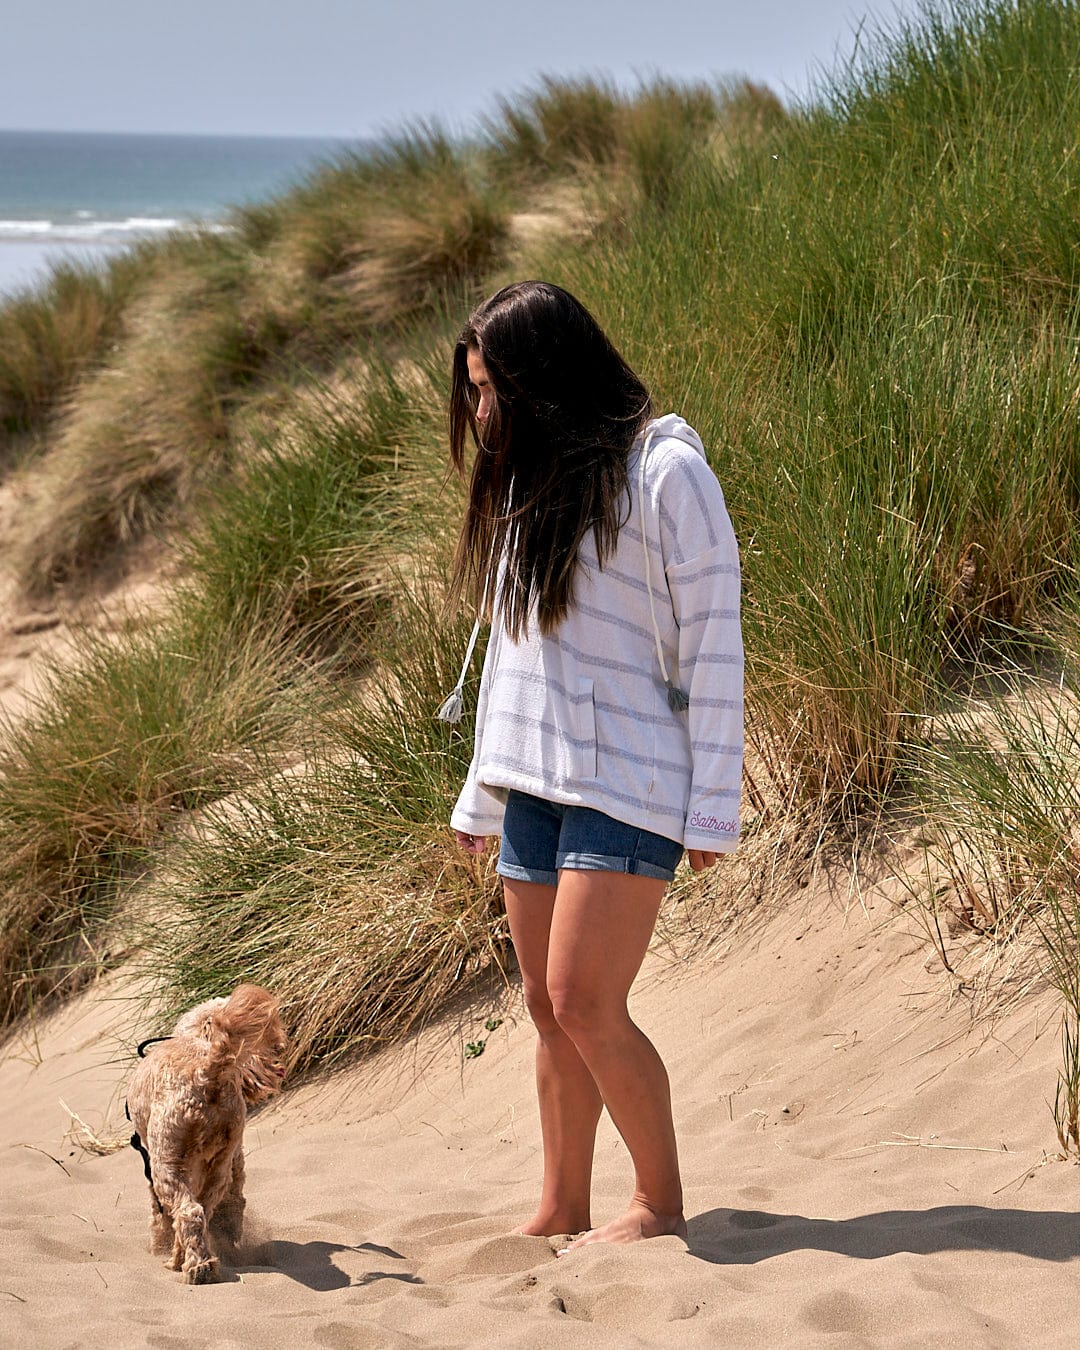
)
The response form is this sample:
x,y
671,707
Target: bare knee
x,y
538,1003
587,1020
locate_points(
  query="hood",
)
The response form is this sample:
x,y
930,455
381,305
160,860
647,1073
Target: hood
x,y
672,426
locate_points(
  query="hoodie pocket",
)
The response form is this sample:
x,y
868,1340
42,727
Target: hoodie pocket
x,y
584,756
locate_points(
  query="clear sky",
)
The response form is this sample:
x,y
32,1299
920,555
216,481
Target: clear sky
x,y
355,67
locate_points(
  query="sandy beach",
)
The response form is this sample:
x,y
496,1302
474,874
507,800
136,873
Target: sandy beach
x,y
865,1166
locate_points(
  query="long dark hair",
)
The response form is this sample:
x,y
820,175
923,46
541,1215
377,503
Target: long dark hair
x,y
551,457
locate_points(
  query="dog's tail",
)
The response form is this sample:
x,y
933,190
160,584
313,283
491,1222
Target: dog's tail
x,y
238,1033
241,1021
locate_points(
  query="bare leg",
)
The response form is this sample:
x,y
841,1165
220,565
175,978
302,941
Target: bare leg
x,y
600,930
570,1103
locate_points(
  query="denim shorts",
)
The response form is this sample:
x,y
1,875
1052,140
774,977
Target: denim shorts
x,y
540,837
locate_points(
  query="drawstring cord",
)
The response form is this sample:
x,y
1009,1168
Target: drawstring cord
x,y
452,707
678,699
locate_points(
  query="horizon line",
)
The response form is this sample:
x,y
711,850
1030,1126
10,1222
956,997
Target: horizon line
x,y
189,135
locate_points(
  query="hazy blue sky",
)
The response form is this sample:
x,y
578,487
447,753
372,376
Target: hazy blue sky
x,y
352,67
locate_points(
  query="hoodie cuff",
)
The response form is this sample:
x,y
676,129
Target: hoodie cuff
x,y
479,810
713,831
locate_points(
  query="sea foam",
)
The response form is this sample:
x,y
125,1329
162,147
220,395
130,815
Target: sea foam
x,y
86,230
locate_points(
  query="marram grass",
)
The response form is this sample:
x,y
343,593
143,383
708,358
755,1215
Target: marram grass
x,y
339,884
382,948
871,320
51,336
93,781
1000,787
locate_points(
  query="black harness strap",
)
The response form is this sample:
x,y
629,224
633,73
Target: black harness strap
x,y
151,1040
136,1142
139,1147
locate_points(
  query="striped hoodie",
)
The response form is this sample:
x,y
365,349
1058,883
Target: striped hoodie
x,y
581,717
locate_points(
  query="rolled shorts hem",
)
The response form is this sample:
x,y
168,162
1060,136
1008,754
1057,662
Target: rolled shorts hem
x,y
585,862
515,872
578,861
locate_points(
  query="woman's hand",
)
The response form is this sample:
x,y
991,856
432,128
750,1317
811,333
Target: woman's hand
x,y
699,861
470,843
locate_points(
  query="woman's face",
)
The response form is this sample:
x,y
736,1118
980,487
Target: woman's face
x,y
478,378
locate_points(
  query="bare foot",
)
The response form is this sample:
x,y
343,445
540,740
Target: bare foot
x,y
636,1224
552,1225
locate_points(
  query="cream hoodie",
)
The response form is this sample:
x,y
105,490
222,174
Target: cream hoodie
x,y
582,717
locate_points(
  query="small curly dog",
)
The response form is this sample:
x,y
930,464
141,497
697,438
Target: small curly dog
x,y
188,1100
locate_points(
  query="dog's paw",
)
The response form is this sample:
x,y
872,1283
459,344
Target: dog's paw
x,y
205,1272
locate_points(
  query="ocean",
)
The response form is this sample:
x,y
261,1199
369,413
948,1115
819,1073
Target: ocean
x,y
86,194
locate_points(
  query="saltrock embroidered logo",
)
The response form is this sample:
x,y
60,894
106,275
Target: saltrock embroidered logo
x,y
700,822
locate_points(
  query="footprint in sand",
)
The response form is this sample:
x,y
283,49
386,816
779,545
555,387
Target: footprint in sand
x,y
508,1255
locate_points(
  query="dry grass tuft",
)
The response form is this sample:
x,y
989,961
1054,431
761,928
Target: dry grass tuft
x,y
140,434
139,729
420,248
52,335
86,1139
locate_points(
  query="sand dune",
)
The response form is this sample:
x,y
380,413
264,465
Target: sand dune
x,y
865,1166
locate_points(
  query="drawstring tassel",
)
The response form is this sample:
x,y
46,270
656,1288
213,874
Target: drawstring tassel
x,y
678,700
452,707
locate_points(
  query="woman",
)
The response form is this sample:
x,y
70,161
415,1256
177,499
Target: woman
x,y
609,722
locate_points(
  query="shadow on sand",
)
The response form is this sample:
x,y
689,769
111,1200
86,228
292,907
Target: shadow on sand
x,y
312,1264
739,1237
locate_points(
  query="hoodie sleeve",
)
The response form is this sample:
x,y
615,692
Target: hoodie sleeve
x,y
702,569
479,809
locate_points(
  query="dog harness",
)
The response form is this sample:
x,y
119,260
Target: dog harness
x,y
136,1141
